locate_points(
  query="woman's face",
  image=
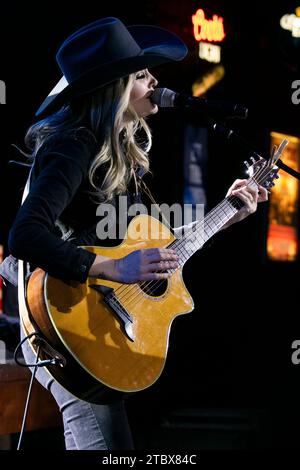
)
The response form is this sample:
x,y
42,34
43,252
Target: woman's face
x,y
141,92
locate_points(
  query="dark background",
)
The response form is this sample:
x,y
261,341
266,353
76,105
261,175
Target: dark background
x,y
229,381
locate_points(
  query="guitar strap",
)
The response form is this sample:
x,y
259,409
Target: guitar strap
x,y
26,322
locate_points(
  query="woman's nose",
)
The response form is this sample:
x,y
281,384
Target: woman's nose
x,y
153,80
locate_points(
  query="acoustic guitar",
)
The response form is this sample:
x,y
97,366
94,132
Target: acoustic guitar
x,y
114,337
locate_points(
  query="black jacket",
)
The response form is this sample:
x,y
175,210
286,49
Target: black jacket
x,y
59,190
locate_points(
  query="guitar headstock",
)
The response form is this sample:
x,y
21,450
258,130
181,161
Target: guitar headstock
x,y
262,171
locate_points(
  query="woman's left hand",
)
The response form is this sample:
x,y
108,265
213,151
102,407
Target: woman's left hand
x,y
250,196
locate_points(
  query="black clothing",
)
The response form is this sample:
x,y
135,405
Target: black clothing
x,y
59,190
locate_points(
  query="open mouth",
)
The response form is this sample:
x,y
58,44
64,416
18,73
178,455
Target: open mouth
x,y
148,95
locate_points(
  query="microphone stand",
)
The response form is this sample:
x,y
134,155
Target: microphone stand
x,y
288,169
230,135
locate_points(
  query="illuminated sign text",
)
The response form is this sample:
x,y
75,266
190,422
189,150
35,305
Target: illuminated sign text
x,y
208,30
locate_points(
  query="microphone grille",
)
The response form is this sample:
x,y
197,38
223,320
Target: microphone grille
x,y
163,97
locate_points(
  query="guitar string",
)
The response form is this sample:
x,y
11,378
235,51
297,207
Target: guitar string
x,y
135,294
136,288
138,294
211,217
179,248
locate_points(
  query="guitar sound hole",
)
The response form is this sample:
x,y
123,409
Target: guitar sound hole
x,y
155,288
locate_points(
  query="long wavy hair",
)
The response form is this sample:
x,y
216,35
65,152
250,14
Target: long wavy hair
x,y
107,113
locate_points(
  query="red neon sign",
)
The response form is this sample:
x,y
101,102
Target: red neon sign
x,y
208,30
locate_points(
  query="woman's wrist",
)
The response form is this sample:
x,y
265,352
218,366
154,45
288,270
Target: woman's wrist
x,y
103,267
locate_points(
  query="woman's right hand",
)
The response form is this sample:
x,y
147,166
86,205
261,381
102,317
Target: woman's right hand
x,y
138,266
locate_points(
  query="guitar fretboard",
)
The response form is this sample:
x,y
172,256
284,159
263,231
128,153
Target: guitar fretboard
x,y
202,230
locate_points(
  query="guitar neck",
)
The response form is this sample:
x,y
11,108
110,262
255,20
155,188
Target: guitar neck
x,y
202,230
218,217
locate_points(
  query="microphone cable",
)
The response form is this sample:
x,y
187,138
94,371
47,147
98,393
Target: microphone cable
x,y
36,365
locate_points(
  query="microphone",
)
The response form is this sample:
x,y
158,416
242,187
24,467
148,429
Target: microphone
x,y
166,98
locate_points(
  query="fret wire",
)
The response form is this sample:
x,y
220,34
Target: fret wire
x,y
200,225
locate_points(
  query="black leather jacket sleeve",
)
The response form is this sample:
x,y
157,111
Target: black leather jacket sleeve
x,y
60,168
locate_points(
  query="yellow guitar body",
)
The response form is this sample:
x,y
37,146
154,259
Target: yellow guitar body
x,y
88,328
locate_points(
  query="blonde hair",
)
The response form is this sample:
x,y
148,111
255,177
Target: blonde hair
x,y
123,138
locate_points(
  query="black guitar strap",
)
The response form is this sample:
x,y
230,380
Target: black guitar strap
x,y
26,322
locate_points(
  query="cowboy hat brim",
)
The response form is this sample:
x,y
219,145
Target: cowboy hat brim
x,y
158,46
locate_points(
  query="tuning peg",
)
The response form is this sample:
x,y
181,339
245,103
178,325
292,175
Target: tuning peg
x,y
247,164
252,159
275,147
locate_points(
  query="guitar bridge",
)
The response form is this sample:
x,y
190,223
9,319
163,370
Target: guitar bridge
x,y
119,311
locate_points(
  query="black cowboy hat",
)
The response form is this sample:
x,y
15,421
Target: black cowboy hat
x,y
106,50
